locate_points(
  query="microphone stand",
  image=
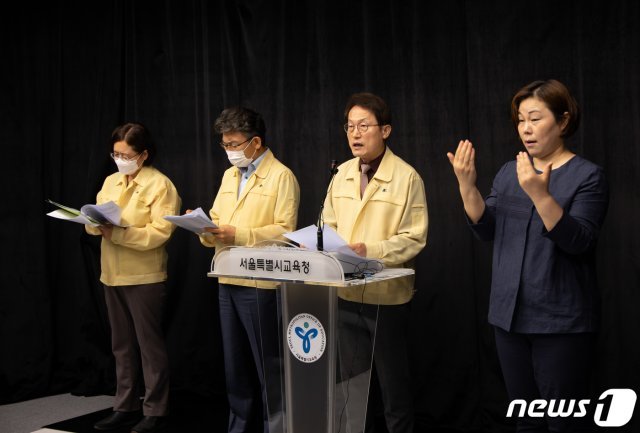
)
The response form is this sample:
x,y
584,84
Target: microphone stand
x,y
320,223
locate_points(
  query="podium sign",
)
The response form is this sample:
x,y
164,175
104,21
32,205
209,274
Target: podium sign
x,y
326,343
278,263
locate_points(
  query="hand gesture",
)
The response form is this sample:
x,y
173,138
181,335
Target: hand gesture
x,y
464,166
463,163
535,185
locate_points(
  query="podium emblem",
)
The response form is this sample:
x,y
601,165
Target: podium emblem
x,y
306,338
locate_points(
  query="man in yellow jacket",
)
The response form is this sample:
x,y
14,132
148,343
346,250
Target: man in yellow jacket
x,y
257,200
377,204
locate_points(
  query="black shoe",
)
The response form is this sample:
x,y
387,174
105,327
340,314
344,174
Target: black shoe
x,y
117,420
150,424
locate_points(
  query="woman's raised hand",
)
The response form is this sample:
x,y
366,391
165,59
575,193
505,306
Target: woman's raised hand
x,y
464,164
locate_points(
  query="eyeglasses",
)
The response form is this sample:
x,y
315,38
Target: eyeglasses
x,y
361,127
124,156
233,145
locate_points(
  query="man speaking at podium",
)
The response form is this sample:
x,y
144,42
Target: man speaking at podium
x,y
377,204
257,200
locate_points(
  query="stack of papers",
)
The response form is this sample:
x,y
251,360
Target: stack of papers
x,y
196,221
331,240
89,214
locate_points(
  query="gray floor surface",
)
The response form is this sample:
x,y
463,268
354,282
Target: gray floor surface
x,y
29,416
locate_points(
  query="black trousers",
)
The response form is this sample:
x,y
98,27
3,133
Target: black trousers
x,y
547,366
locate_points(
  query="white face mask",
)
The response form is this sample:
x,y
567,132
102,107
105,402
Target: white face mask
x,y
127,167
238,158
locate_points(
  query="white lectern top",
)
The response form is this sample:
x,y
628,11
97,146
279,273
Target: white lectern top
x,y
297,265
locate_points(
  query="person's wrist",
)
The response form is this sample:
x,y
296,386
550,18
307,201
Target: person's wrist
x,y
466,190
539,197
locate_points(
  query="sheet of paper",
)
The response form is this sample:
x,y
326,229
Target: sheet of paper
x,y
70,216
63,207
195,221
331,240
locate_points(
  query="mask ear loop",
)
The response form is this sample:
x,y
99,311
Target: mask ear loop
x,y
254,150
249,144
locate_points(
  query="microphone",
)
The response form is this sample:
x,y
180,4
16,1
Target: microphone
x,y
320,223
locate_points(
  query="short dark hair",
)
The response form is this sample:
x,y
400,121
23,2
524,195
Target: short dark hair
x,y
371,102
243,120
557,98
138,137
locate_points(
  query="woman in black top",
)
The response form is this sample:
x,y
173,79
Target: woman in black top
x,y
544,214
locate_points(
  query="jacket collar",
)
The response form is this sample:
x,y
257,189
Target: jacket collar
x,y
263,168
384,172
261,172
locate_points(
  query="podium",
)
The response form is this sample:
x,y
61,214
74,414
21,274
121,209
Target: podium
x,y
321,384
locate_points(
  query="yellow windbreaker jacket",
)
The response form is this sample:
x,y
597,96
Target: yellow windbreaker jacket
x,y
391,219
266,208
136,254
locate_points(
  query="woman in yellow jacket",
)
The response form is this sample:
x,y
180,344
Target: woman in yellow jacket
x,y
134,269
377,204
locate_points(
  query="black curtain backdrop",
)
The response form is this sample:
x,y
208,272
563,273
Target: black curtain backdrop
x,y
72,71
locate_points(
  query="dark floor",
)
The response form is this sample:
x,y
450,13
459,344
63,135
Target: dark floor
x,y
189,413
195,414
